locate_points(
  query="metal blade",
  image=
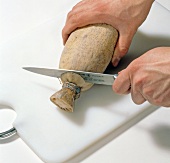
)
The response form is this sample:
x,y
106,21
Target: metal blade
x,y
96,78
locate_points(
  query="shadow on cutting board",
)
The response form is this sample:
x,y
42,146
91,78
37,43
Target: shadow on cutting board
x,y
141,43
161,135
99,96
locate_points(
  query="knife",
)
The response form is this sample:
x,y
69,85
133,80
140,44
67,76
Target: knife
x,y
91,77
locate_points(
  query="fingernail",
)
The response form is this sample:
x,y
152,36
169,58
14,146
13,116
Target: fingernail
x,y
115,61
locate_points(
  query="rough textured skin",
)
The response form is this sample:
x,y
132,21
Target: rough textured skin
x,y
87,49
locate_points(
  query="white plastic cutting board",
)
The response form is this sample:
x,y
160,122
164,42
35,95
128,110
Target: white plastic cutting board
x,y
99,116
164,3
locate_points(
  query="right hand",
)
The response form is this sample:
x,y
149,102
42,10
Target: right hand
x,y
147,78
124,15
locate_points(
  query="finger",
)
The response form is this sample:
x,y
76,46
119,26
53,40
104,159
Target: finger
x,y
137,97
66,32
70,25
77,17
122,83
76,21
121,48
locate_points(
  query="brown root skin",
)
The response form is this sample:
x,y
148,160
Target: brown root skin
x,y
89,48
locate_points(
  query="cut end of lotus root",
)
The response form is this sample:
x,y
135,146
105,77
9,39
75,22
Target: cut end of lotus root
x,y
65,97
73,84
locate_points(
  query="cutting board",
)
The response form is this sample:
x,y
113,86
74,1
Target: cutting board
x,y
99,116
164,3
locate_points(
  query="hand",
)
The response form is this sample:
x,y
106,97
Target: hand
x,y
124,15
149,78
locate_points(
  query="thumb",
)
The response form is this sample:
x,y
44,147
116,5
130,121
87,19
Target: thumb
x,y
122,84
121,48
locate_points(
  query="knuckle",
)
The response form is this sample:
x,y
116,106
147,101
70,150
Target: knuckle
x,y
148,92
123,50
72,15
75,19
158,101
154,99
134,66
138,82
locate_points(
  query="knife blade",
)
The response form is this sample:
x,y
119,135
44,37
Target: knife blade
x,y
91,77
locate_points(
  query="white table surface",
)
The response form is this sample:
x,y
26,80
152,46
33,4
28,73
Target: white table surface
x,y
148,141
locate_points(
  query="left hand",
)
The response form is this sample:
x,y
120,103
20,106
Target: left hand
x,y
124,15
148,78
